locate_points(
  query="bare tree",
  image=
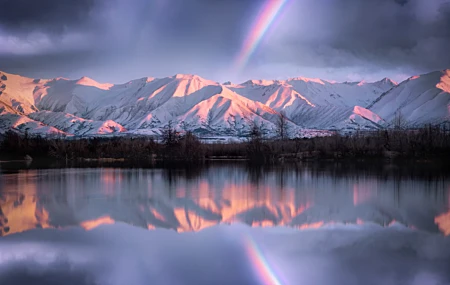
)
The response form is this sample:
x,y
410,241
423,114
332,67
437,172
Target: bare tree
x,y
184,126
255,143
282,127
169,135
191,147
255,133
399,121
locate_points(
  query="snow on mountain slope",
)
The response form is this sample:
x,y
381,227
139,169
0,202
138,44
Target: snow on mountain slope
x,y
16,94
316,110
132,103
70,96
152,103
385,84
230,113
7,109
420,100
315,103
74,125
87,107
314,91
366,114
24,124
159,101
361,118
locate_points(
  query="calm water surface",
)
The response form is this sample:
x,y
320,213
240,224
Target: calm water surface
x,y
226,223
298,196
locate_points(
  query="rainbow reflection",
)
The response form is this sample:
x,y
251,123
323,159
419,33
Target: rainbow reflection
x,y
260,264
266,17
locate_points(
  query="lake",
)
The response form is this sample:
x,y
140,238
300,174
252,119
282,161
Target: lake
x,y
234,207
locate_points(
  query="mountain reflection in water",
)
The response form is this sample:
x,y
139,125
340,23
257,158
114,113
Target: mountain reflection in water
x,y
299,196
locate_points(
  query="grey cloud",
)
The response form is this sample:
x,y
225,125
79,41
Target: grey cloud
x,y
138,37
402,2
411,35
55,16
124,39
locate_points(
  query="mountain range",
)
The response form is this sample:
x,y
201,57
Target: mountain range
x,y
84,107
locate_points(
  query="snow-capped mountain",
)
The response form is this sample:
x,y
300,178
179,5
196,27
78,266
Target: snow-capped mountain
x,y
315,103
143,106
419,100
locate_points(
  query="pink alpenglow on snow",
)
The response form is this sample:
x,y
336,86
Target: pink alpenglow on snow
x,y
444,84
305,79
86,81
367,114
264,20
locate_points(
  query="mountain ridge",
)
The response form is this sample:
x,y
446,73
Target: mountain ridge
x,y
84,106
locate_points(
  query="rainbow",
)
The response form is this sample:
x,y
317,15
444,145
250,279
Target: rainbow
x,y
260,264
265,18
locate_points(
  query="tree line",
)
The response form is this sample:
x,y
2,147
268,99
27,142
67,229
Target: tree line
x,y
429,142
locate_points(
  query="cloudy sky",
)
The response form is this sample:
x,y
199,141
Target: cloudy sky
x,y
119,40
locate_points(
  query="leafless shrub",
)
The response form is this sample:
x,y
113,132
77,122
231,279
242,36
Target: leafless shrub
x,y
424,143
282,127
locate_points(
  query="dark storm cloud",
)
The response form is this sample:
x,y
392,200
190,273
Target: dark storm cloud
x,y
412,35
117,40
24,16
45,65
402,2
138,37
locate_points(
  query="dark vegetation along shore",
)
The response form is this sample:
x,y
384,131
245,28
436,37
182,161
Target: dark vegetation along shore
x,y
421,144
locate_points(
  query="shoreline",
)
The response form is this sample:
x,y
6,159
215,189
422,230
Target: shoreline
x,y
429,144
159,161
